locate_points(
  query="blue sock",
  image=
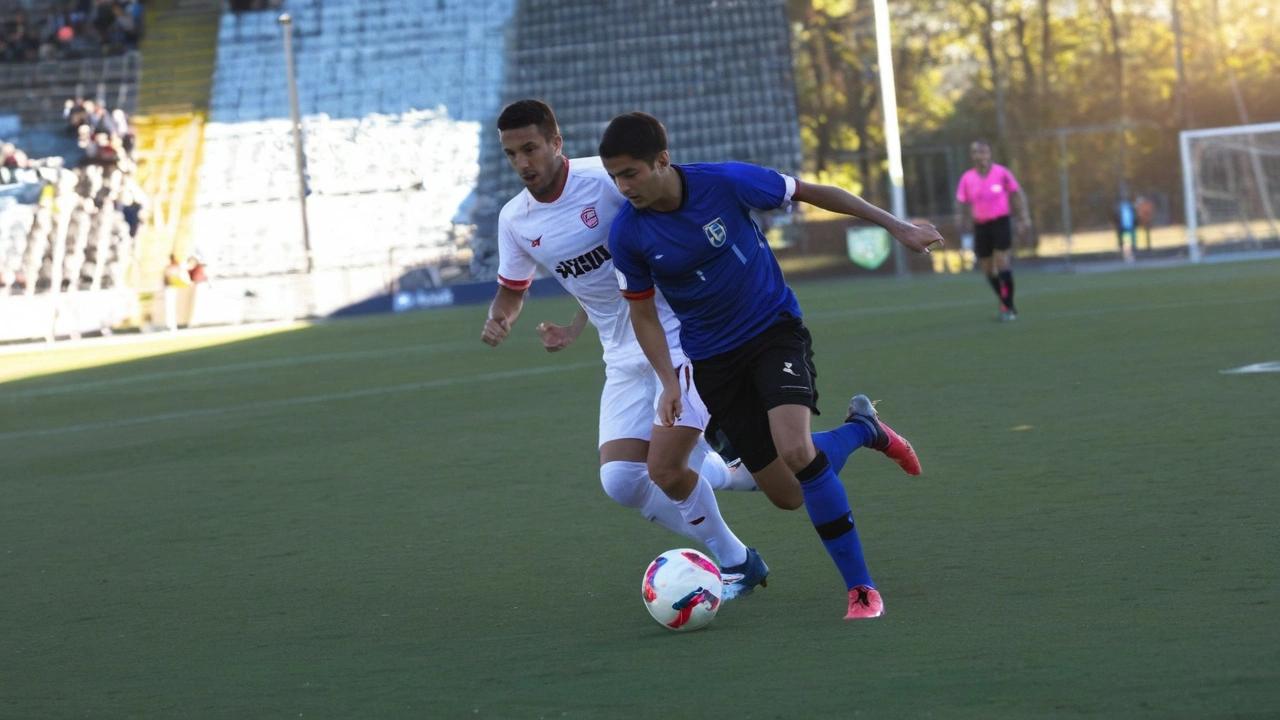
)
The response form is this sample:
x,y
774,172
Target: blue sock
x,y
839,444
828,506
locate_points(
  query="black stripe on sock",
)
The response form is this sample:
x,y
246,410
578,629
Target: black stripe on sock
x,y
815,468
833,529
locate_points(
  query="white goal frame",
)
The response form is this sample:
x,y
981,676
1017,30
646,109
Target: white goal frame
x,y
1189,173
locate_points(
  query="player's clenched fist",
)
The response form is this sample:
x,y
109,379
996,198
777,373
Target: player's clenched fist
x,y
554,337
495,331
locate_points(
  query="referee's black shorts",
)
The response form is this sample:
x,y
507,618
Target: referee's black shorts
x,y
741,386
992,235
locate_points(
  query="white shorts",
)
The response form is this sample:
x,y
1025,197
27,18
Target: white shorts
x,y
628,403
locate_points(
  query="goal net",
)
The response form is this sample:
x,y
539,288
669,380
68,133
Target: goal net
x,y
1231,181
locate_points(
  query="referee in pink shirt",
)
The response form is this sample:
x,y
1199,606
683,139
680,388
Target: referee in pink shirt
x,y
984,194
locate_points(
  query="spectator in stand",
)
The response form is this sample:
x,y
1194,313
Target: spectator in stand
x,y
104,19
124,161
93,152
132,209
15,38
15,158
199,280
25,38
108,151
196,270
63,38
84,138
123,130
85,28
128,27
98,119
74,114
8,163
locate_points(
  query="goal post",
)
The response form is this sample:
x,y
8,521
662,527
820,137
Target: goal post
x,y
1231,187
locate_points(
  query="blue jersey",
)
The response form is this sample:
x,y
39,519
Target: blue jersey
x,y
708,257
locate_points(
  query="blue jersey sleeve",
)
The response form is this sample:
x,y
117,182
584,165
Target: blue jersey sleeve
x,y
760,187
634,278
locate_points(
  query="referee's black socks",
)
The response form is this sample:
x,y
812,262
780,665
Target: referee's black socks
x,y
995,285
1006,279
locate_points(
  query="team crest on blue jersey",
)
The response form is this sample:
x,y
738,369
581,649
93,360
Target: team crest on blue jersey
x,y
716,232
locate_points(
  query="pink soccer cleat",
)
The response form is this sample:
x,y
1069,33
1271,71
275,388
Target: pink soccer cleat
x,y
864,602
861,409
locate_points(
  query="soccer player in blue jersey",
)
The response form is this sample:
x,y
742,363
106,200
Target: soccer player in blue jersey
x,y
688,232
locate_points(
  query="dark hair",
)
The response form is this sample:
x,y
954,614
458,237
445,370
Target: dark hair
x,y
981,142
639,135
523,113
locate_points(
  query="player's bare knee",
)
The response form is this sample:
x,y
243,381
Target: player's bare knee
x,y
796,457
667,476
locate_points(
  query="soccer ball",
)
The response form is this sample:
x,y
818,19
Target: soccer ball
x,y
682,589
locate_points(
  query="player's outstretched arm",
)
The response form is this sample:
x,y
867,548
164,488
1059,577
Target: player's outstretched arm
x,y
558,337
503,312
917,238
653,340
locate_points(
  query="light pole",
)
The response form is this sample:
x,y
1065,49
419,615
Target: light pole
x,y
893,144
287,21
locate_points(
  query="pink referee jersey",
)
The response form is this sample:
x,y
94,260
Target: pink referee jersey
x,y
988,194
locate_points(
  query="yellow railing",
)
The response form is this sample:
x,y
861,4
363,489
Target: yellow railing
x,y
168,156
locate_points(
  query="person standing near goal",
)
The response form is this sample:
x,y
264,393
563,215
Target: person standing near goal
x,y
984,194
561,221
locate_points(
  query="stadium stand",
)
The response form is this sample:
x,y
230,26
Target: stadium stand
x,y
66,192
64,229
391,92
379,185
718,73
397,97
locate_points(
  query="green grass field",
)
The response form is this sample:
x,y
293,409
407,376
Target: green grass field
x,y
385,518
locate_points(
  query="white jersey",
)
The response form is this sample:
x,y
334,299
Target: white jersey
x,y
569,236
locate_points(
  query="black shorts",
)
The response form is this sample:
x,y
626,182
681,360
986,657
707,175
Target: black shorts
x,y
741,386
991,236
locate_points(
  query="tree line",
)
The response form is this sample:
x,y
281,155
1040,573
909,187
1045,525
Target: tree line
x,y
1092,93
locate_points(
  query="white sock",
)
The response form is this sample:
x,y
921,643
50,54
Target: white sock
x,y
713,468
702,515
698,455
628,483
723,477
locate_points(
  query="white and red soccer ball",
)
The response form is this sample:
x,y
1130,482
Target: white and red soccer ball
x,y
682,589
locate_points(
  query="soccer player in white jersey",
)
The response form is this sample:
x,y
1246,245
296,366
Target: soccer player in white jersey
x,y
561,221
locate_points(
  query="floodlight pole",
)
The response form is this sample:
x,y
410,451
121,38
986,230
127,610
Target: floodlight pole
x,y
296,122
893,143
1064,189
